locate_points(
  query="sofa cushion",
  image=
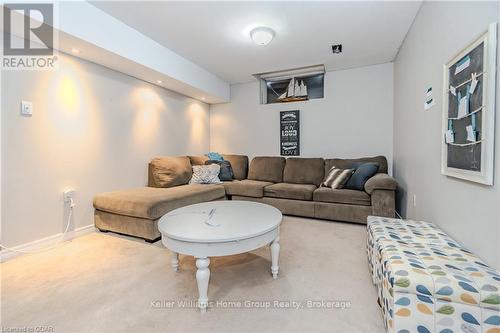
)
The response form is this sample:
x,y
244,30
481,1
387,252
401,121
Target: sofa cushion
x,y
290,191
152,203
267,169
171,171
239,164
304,170
352,197
198,160
353,163
246,187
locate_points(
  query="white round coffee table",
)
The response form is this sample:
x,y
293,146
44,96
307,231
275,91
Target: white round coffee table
x,y
219,228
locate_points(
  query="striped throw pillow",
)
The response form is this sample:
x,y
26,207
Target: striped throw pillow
x,y
337,178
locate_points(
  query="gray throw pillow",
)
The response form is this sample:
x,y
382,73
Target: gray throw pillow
x,y
363,172
226,171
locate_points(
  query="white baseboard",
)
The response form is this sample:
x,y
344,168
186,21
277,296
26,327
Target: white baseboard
x,y
40,244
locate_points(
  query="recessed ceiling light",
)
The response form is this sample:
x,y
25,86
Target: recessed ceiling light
x,y
337,48
203,98
75,50
159,81
262,35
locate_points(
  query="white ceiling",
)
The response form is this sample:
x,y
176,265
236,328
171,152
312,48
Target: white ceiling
x,y
215,35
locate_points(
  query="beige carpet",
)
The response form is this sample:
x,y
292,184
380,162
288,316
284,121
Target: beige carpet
x,y
109,283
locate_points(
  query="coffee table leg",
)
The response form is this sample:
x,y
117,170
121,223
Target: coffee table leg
x,y
174,261
275,253
202,277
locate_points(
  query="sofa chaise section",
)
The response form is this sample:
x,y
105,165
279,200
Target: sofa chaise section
x,y
136,212
153,203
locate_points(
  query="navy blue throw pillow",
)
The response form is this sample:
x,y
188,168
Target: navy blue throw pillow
x,y
363,172
226,171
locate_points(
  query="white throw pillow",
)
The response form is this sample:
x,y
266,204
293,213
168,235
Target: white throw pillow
x,y
205,174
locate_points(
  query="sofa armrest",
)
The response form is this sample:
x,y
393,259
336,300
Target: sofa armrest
x,y
381,181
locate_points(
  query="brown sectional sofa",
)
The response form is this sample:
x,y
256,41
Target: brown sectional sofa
x,y
291,185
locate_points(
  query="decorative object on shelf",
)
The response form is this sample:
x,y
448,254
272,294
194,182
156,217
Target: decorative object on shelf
x,y
290,133
469,111
295,92
337,48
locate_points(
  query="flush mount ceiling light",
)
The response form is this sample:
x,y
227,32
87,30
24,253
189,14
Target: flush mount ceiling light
x,y
262,35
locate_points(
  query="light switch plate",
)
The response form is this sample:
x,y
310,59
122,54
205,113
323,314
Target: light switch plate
x,y
26,108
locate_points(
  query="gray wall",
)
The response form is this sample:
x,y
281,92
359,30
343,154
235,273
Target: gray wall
x,y
354,119
93,129
467,211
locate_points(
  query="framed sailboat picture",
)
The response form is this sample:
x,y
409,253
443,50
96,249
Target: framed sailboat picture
x,y
469,111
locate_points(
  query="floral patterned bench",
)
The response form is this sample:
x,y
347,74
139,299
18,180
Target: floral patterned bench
x,y
427,282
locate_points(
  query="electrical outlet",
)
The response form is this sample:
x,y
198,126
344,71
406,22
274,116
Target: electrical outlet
x,y
414,200
26,108
69,194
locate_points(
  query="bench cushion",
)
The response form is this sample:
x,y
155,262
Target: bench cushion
x,y
246,188
290,191
304,170
426,279
352,197
152,203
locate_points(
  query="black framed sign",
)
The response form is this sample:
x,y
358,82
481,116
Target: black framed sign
x,y
290,133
